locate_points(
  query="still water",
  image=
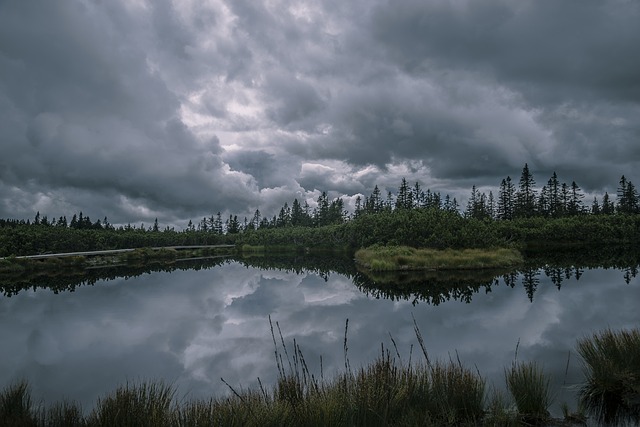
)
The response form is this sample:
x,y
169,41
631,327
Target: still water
x,y
191,328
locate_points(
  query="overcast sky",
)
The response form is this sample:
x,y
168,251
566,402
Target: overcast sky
x,y
137,109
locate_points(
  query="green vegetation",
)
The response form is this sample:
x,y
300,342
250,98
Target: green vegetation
x,y
611,392
389,258
17,265
529,387
384,392
521,215
67,279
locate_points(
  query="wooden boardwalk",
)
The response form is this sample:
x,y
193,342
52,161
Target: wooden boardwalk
x,y
117,251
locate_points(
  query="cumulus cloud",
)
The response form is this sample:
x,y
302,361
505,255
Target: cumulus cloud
x,y
177,109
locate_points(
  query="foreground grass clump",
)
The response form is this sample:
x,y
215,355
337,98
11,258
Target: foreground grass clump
x,y
381,393
16,406
611,392
529,387
388,258
135,405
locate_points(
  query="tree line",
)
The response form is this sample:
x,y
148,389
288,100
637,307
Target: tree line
x,y
553,200
413,216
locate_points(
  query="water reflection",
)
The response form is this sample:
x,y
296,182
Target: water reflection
x,y
192,327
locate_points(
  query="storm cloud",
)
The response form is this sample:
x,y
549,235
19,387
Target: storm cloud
x,y
179,109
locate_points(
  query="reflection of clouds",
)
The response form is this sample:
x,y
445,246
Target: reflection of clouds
x,y
193,327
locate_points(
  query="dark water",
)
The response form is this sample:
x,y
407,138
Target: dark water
x,y
192,327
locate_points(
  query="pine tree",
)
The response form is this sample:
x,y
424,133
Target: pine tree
x,y
257,217
358,209
418,196
575,205
336,211
388,204
284,216
296,213
321,216
526,195
555,209
491,206
506,199
405,196
218,225
608,208
628,202
595,206
233,226
374,203
565,196
472,205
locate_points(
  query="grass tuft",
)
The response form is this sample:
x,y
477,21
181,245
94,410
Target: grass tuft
x,y
16,406
529,387
611,392
144,404
384,392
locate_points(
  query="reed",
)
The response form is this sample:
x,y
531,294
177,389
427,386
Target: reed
x,y
611,392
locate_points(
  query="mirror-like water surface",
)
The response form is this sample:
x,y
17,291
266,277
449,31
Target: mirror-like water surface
x,y
191,328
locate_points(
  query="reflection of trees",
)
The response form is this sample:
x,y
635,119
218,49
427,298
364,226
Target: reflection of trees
x,y
437,287
322,265
69,279
630,273
530,281
432,287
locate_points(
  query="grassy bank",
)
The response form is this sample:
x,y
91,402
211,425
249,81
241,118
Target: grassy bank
x,y
384,392
17,265
392,258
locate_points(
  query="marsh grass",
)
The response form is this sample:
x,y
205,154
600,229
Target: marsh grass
x,y
611,392
529,387
143,404
388,258
387,391
16,405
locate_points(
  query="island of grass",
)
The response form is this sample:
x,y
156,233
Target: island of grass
x,y
393,258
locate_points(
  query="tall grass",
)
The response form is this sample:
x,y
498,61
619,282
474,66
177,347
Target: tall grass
x,y
384,392
16,406
529,387
611,392
144,404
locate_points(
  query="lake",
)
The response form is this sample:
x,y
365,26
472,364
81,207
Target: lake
x,y
192,327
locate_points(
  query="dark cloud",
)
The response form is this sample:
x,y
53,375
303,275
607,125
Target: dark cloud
x,y
177,109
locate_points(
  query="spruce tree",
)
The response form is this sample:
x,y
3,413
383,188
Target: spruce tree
x,y
506,199
405,196
526,195
554,202
575,205
296,213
